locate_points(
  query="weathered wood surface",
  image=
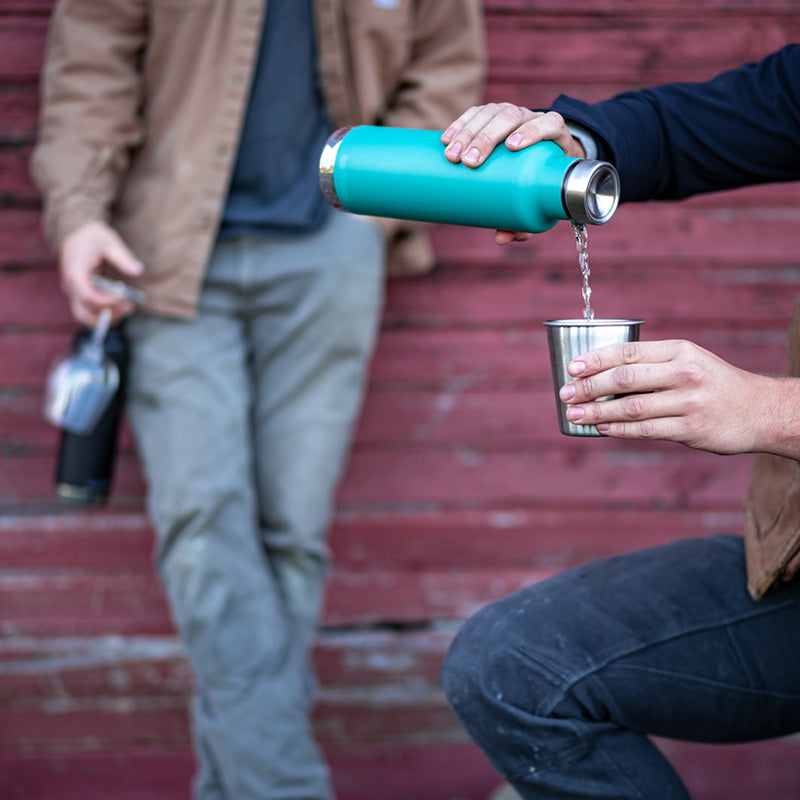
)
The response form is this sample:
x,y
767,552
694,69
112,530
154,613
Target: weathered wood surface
x,y
459,488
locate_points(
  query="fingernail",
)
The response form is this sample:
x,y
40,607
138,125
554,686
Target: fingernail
x,y
514,139
574,413
454,149
576,367
603,427
567,392
472,156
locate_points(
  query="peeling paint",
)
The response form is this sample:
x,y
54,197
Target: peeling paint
x,y
83,653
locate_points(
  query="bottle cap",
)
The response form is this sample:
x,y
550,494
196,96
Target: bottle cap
x,y
590,192
327,161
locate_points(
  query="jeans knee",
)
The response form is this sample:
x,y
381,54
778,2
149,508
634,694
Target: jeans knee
x,y
502,691
472,672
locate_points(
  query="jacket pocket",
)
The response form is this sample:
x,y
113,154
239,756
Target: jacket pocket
x,y
772,522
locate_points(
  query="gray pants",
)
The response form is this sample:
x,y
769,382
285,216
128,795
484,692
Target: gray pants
x,y
243,417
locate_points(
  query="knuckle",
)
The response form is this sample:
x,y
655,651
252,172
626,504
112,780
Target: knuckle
x,y
647,430
631,352
624,376
594,361
555,118
513,113
633,406
684,351
481,138
586,387
690,373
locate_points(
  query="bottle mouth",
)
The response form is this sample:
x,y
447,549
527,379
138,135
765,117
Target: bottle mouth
x,y
591,192
327,161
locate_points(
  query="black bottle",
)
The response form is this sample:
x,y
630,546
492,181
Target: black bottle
x,y
85,463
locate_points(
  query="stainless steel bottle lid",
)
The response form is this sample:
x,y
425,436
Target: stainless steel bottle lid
x,y
327,161
590,192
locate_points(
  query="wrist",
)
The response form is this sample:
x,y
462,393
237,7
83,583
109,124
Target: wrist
x,y
780,422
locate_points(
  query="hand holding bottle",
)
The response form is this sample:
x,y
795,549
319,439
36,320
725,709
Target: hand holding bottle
x,y
472,137
82,255
475,134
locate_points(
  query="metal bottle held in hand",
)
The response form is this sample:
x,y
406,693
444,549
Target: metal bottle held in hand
x,y
85,398
85,462
82,383
403,173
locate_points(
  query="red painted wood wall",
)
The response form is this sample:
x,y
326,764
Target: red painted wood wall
x,y
459,488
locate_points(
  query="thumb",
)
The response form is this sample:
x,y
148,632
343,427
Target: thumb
x,y
119,255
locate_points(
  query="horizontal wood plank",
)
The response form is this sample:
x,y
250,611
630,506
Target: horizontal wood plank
x,y
134,604
538,538
387,770
19,120
22,38
637,50
392,772
467,476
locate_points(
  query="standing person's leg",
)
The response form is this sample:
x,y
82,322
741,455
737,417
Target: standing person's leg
x,y
192,407
312,314
189,405
561,683
313,319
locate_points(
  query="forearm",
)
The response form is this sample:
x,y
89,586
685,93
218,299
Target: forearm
x,y
682,139
89,119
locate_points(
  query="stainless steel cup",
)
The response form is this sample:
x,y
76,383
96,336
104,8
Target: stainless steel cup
x,y
567,338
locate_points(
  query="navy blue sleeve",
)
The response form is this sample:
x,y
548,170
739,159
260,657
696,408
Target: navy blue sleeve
x,y
681,139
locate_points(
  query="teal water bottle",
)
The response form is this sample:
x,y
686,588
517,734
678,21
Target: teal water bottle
x,y
402,173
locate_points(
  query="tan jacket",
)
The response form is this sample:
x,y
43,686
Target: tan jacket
x,y
772,504
143,100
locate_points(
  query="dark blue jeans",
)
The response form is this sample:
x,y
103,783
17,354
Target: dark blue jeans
x,y
561,683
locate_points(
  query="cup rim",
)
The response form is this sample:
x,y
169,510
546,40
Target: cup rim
x,y
590,323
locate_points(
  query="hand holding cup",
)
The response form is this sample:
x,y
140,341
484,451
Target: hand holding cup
x,y
568,339
677,391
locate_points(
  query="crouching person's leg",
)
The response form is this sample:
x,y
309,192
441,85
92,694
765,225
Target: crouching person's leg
x,y
561,683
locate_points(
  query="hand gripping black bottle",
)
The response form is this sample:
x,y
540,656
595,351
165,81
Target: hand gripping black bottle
x,y
85,463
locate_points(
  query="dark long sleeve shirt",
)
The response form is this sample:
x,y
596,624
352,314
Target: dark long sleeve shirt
x,y
680,139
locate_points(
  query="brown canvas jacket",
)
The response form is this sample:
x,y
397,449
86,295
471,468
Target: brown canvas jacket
x,y
772,504
140,130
